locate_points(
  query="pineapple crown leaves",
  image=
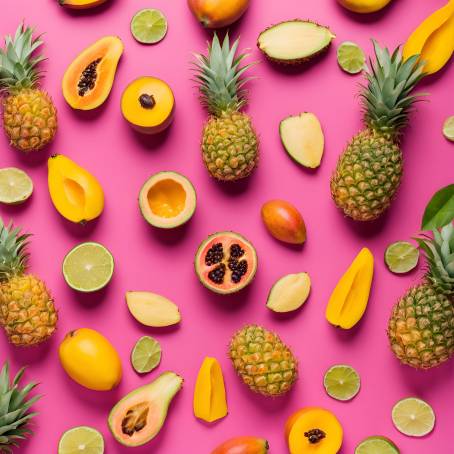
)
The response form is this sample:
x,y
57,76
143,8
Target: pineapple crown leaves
x,y
219,75
387,99
439,252
14,409
13,251
17,63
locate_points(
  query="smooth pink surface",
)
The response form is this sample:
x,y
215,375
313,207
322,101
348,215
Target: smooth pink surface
x,y
148,259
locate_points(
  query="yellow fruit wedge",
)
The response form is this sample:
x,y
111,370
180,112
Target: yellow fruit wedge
x,y
349,299
433,40
210,402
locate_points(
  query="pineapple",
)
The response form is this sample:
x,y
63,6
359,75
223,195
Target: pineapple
x,y
421,327
27,311
29,116
369,171
229,142
14,414
263,361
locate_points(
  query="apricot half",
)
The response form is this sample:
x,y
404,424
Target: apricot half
x,y
148,105
313,430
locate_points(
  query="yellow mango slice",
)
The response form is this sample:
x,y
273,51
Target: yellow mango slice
x,y
210,403
349,299
433,40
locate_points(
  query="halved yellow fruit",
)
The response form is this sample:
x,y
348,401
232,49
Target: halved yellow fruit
x,y
167,200
148,105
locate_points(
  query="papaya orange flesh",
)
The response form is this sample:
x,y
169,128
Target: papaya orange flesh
x,y
88,80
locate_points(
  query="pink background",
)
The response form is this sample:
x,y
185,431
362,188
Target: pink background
x,y
160,261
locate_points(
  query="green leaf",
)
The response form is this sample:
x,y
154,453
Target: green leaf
x,y
440,210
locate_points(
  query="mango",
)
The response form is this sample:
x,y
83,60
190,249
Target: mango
x,y
284,222
349,299
243,445
210,402
364,6
218,13
313,430
76,194
289,293
81,4
433,40
90,360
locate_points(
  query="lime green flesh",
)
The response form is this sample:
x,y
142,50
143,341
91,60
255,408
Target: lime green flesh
x,y
88,267
342,382
448,128
401,257
413,417
377,445
149,26
146,355
15,186
351,57
81,440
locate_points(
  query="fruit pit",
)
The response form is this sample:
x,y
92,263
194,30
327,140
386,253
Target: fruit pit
x,y
135,419
88,78
315,436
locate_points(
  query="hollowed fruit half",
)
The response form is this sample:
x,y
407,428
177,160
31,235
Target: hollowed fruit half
x,y
226,262
88,80
148,105
167,200
313,430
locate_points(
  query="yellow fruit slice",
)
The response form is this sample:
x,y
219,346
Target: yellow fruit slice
x,y
210,402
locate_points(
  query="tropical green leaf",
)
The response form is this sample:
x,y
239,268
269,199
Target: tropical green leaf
x,y
440,210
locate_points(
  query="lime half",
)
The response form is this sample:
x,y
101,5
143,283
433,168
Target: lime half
x,y
377,445
342,382
351,57
149,26
146,355
448,128
413,417
88,267
81,440
15,186
401,257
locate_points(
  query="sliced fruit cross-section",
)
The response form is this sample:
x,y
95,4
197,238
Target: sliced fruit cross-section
x,y
413,417
294,41
226,262
167,200
342,382
351,57
377,445
149,26
146,355
139,416
81,440
15,186
289,292
303,139
401,257
88,80
88,267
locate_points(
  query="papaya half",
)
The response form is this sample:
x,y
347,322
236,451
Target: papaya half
x,y
89,78
81,4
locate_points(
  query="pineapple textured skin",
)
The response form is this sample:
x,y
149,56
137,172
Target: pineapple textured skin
x,y
30,119
421,327
230,146
27,310
263,361
367,175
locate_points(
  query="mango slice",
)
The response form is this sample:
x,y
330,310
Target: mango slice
x,y
433,40
210,402
349,299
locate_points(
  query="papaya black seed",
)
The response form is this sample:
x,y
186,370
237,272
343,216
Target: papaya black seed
x,y
88,78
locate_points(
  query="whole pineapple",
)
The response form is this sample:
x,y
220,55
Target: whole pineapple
x,y
369,171
14,409
27,311
421,327
263,361
229,142
29,116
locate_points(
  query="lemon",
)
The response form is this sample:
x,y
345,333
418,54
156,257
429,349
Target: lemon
x,y
149,26
351,57
146,355
88,267
15,186
401,257
413,417
377,445
448,128
342,382
81,440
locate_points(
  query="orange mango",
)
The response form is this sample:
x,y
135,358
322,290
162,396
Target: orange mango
x,y
243,445
218,13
